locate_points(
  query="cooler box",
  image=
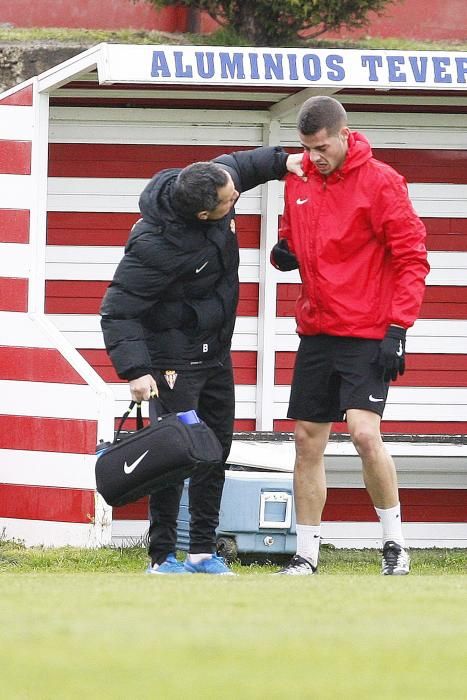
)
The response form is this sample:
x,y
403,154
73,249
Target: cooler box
x,y
256,515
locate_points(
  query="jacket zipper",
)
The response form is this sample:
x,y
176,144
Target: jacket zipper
x,y
313,265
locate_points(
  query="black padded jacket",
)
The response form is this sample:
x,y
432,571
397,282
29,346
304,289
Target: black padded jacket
x,y
173,299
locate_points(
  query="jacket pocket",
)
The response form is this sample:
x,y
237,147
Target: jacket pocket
x,y
209,315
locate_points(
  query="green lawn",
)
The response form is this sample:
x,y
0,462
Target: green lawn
x,y
90,625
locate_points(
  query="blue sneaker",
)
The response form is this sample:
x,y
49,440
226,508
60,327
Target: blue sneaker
x,y
213,565
169,566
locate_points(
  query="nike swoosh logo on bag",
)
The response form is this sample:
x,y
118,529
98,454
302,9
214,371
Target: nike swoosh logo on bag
x,y
302,201
198,269
128,468
400,351
372,398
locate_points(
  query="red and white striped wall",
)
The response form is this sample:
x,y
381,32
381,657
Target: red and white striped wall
x,y
74,158
53,405
94,183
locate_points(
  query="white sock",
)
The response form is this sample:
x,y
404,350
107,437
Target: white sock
x,y
391,523
196,558
308,542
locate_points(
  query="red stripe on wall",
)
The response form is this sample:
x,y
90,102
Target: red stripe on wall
x,y
36,365
240,425
354,505
244,425
74,296
48,434
13,294
126,160
87,228
421,369
143,160
22,98
439,301
444,302
15,157
85,297
446,234
418,165
394,427
14,226
46,503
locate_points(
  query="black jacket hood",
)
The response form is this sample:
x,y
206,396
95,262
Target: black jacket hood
x,y
155,200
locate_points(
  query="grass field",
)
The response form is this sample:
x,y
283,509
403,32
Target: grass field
x,y
83,624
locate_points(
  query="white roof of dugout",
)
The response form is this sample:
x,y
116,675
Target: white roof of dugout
x,y
273,79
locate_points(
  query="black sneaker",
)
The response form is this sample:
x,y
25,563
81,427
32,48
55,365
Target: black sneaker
x,y
396,561
298,566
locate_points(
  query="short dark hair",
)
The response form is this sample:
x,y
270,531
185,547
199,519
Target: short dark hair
x,y
196,188
321,112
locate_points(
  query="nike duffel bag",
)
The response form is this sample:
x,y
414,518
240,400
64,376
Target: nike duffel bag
x,y
153,457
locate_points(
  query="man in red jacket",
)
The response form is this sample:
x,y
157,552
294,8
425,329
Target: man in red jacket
x,y
360,249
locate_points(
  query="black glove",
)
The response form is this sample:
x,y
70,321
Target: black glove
x,y
282,258
391,356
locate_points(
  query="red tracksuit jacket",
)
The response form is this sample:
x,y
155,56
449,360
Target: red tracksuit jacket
x,y
359,244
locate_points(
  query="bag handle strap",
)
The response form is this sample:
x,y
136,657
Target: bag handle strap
x,y
139,418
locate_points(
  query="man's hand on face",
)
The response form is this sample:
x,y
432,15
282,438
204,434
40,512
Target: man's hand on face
x,y
294,165
143,388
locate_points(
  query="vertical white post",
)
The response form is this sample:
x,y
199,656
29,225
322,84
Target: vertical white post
x,y
38,211
267,293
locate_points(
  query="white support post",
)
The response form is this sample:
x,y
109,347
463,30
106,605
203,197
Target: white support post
x,y
267,294
38,211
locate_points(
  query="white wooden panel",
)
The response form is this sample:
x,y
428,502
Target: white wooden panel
x,y
436,345
438,200
279,456
245,397
342,534
16,123
49,533
15,260
17,329
405,412
243,392
353,535
400,130
48,469
421,327
85,332
453,396
91,322
49,399
15,191
156,126
433,199
436,328
427,336
116,195
99,263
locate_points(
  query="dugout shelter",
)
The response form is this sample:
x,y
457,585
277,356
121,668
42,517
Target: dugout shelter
x,y
77,146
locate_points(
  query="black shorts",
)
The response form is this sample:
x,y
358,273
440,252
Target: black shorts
x,y
333,374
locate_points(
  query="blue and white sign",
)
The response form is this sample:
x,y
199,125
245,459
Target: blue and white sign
x,y
208,65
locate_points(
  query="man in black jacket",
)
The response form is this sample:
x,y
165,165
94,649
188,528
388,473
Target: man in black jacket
x,y
168,318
